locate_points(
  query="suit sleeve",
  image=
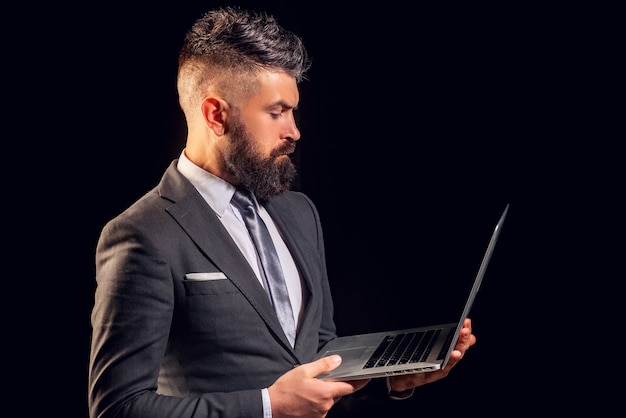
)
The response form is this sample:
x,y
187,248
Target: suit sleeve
x,y
131,319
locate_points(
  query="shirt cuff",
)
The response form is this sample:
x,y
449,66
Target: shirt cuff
x,y
267,406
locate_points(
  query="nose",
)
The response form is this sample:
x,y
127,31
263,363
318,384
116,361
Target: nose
x,y
295,135
292,132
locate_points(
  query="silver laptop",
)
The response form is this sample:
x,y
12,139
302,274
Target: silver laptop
x,y
413,350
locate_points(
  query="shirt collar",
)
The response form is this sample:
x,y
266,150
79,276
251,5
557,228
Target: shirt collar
x,y
214,190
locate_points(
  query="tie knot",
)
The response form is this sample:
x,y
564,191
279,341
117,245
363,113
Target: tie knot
x,y
243,198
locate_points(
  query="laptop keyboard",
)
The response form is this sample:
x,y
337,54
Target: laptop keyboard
x,y
411,347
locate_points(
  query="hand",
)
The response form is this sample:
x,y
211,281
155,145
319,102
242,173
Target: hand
x,y
298,393
411,381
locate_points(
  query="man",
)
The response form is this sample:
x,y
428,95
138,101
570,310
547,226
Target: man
x,y
182,323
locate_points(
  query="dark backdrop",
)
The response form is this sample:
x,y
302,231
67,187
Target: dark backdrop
x,y
418,127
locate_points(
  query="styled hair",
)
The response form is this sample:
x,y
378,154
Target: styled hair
x,y
228,43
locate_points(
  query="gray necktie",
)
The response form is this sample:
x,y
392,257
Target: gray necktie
x,y
270,268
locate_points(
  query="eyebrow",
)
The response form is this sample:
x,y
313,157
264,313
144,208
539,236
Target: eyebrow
x,y
282,104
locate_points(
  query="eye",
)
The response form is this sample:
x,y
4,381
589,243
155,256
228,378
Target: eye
x,y
275,115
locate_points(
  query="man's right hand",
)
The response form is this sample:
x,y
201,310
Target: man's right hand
x,y
298,393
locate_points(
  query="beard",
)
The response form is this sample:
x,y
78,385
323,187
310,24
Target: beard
x,y
266,177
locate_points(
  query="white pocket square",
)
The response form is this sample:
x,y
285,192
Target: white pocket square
x,y
205,276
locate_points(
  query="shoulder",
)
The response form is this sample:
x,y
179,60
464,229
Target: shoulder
x,y
293,198
295,211
294,202
151,208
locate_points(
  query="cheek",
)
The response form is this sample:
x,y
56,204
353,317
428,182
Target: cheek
x,y
266,136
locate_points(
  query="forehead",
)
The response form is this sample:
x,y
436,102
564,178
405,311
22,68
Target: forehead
x,y
275,88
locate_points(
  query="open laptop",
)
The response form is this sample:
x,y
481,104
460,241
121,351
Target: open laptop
x,y
413,350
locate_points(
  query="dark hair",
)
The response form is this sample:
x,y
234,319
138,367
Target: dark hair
x,y
247,40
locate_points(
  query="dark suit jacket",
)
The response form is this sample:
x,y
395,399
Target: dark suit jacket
x,y
164,346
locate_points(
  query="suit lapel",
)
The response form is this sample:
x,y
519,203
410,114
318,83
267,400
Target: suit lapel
x,y
303,253
295,241
203,226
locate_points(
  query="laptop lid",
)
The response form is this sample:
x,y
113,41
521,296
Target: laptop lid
x,y
413,350
477,282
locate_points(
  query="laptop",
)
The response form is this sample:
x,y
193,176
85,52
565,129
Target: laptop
x,y
412,350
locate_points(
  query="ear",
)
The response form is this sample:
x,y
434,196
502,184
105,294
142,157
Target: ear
x,y
214,112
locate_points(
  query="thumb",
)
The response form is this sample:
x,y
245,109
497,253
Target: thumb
x,y
323,365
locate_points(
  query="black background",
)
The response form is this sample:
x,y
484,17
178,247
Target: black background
x,y
419,124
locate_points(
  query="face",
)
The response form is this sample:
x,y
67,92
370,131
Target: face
x,y
262,134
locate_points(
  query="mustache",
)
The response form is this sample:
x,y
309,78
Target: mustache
x,y
288,148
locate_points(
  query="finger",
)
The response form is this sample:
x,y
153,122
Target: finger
x,y
466,341
342,388
467,323
323,365
358,384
